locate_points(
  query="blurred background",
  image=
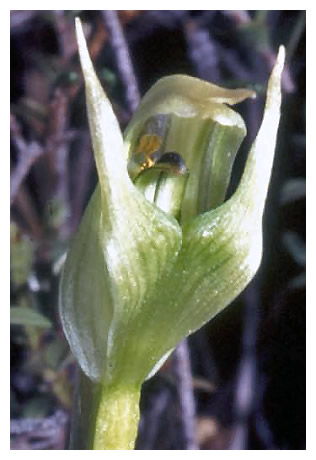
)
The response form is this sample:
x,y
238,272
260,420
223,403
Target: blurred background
x,y
244,372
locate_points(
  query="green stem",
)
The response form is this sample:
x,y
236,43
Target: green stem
x,y
104,417
117,418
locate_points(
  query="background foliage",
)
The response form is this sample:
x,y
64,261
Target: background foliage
x,y
248,364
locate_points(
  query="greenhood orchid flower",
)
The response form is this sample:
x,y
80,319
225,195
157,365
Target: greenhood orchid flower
x,y
158,252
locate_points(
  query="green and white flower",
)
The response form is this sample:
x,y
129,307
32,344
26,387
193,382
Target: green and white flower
x,y
159,252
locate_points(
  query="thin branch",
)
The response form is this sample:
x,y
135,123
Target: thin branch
x,y
242,18
159,405
40,433
27,155
202,50
65,35
186,395
123,59
26,160
246,379
26,207
58,153
36,425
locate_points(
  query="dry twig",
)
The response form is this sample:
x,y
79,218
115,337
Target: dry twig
x,y
246,379
186,395
40,433
159,405
242,18
123,58
28,153
202,50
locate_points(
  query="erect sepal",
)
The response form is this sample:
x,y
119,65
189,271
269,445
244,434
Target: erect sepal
x,y
122,247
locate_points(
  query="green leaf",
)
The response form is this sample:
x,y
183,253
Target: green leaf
x,y
23,316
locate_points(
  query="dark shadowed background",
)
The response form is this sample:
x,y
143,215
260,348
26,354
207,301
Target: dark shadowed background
x,y
248,364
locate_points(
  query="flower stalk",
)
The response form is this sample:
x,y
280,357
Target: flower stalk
x,y
117,418
158,252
